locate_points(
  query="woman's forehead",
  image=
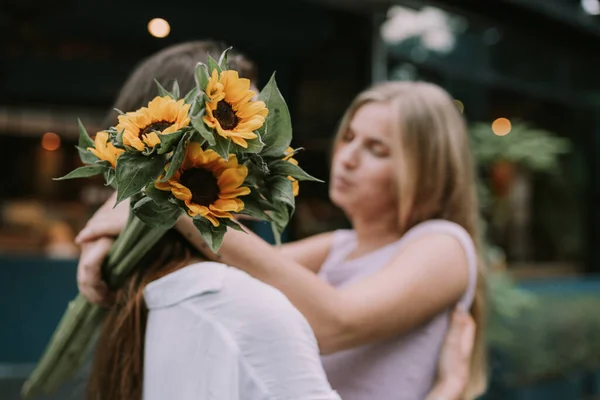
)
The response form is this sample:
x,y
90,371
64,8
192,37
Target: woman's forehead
x,y
372,119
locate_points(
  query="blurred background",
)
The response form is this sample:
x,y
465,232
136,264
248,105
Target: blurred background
x,y
525,73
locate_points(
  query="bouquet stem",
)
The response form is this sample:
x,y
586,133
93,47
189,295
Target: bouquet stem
x,y
71,340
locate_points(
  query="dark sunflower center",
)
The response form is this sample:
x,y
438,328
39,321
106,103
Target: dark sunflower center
x,y
155,126
202,184
225,115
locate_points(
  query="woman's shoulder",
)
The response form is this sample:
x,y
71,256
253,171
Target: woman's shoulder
x,y
444,227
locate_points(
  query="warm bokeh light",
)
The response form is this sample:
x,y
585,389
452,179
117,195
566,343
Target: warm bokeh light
x,y
50,141
159,28
501,126
460,105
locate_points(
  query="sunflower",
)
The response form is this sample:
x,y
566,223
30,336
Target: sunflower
x,y
208,184
295,185
104,149
230,110
162,116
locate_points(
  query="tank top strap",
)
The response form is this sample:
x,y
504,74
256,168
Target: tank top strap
x,y
467,243
343,242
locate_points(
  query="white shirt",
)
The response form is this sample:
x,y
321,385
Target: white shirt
x,y
215,333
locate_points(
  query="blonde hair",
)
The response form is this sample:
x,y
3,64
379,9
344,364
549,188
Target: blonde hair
x,y
435,177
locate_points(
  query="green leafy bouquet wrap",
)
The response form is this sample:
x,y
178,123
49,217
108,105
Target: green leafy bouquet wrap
x,y
217,152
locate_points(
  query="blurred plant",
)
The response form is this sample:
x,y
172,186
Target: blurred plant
x,y
536,336
542,336
532,148
524,147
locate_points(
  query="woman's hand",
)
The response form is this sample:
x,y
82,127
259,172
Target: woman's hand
x,y
95,241
455,358
107,221
89,271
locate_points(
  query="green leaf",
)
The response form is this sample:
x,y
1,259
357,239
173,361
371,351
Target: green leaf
x,y
175,91
281,217
118,142
158,215
119,111
201,75
223,59
109,178
192,94
233,225
86,156
253,208
197,106
281,190
178,157
156,194
254,146
256,174
161,90
169,141
211,235
134,171
212,65
202,128
85,140
286,168
222,146
86,171
276,132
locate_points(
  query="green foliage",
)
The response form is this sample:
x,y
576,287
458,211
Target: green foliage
x,y
532,148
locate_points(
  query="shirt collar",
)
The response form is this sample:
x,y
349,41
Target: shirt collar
x,y
193,280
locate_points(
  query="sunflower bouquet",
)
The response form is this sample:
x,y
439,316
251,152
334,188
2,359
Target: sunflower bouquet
x,y
218,152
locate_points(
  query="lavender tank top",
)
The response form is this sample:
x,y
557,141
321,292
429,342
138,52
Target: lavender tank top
x,y
401,368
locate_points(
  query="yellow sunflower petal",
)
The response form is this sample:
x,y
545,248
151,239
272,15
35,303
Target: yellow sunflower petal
x,y
248,110
95,152
233,193
151,139
132,140
251,124
220,214
212,218
226,205
166,186
181,193
239,141
232,178
197,208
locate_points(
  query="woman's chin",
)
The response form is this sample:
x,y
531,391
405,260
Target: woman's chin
x,y
339,199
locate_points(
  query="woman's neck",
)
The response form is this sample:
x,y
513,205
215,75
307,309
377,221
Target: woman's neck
x,y
373,234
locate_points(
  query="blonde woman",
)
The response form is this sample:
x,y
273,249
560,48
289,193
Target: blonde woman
x,y
378,296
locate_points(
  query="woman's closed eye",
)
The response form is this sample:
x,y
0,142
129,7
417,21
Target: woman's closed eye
x,y
348,136
378,149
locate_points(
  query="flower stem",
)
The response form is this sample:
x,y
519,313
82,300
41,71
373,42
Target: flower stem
x,y
71,340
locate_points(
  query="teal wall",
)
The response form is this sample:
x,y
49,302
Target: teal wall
x,y
34,294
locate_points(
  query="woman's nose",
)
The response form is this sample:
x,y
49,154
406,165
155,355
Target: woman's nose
x,y
349,156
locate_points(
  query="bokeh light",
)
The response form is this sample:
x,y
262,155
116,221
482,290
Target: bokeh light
x,y
501,126
159,28
50,141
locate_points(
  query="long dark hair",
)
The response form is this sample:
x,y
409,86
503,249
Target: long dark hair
x,y
118,367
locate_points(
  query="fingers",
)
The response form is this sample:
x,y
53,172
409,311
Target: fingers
x,y
96,229
462,332
89,271
108,220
